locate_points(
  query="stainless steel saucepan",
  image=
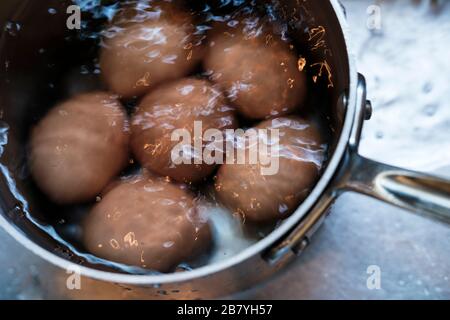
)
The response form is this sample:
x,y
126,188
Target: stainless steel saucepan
x,y
24,87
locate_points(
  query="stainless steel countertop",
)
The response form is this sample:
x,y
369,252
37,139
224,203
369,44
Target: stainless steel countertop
x,y
407,69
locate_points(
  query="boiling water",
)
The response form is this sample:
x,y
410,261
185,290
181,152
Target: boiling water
x,y
73,68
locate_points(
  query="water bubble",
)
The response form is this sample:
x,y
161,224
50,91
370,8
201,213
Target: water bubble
x,y
283,208
84,69
12,28
4,130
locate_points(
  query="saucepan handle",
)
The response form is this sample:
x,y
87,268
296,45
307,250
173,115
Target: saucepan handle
x,y
421,193
424,194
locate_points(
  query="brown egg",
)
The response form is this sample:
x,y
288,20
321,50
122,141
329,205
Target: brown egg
x,y
148,222
258,70
79,146
292,164
178,106
147,45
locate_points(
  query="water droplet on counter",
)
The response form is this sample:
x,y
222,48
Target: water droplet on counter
x,y
34,270
379,135
427,87
430,109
